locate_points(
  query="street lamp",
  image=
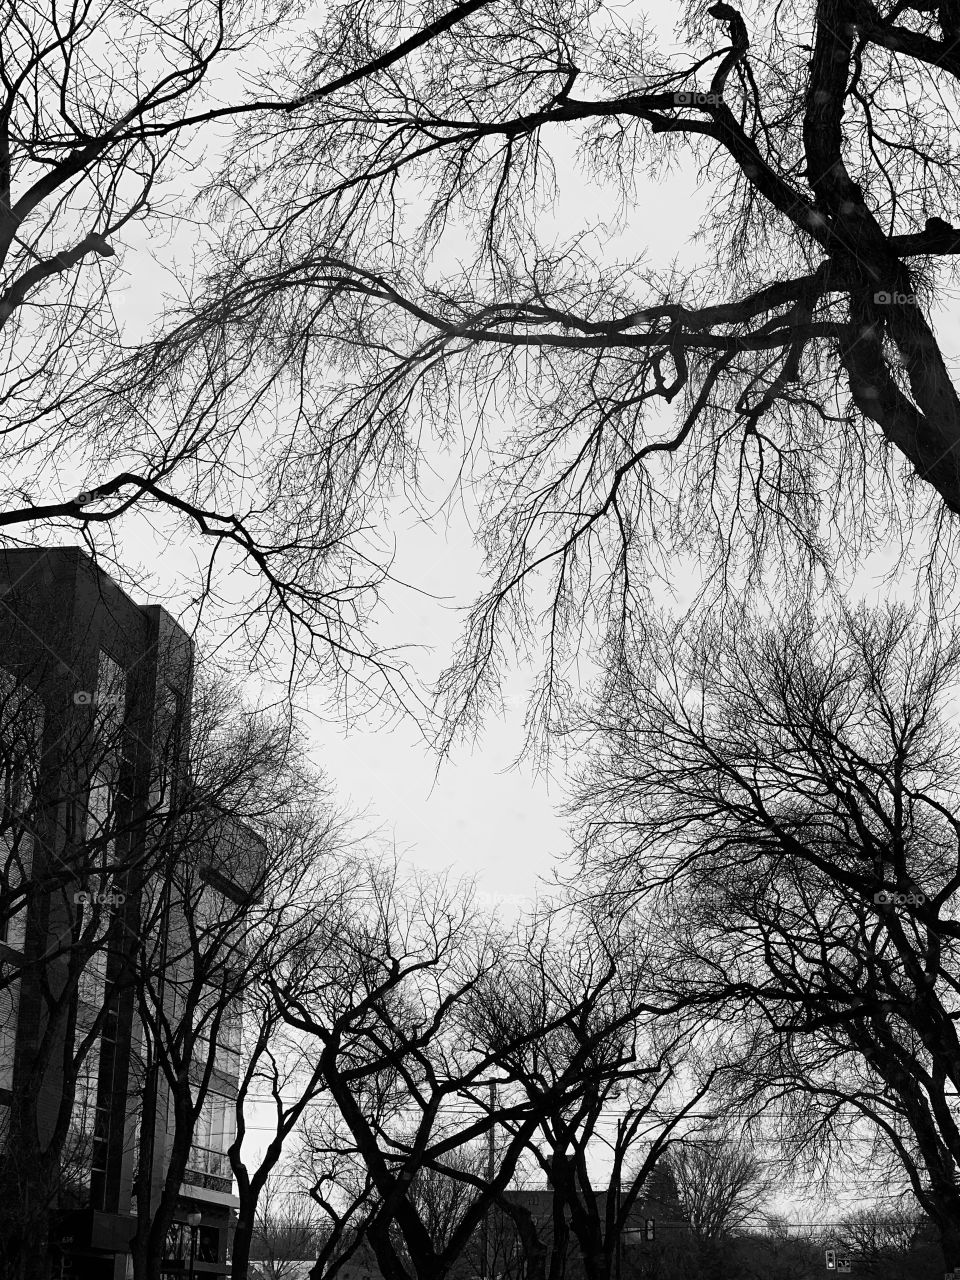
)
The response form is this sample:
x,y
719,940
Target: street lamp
x,y
193,1221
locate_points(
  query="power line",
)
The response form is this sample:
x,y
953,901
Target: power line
x,y
610,1113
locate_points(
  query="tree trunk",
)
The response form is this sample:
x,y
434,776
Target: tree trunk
x,y
37,1263
950,1242
152,1229
534,1249
711,1258
240,1250
25,1200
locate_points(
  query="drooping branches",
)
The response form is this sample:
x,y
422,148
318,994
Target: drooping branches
x,y
105,111
388,272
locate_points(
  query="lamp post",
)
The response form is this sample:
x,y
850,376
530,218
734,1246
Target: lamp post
x,y
193,1221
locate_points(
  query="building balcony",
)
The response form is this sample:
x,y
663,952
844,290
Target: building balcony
x,y
209,1169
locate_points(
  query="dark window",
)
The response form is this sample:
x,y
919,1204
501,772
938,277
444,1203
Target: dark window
x,y
208,1244
70,819
12,767
20,731
167,734
173,1247
177,1245
170,720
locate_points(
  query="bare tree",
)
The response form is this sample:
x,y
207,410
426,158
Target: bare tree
x,y
416,1018
385,1000
775,1252
245,866
813,410
881,1241
783,804
288,1232
105,113
443,1039
612,1076
723,1186
277,1067
442,1197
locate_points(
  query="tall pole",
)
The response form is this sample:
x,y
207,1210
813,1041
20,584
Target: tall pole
x,y
493,1107
619,1225
193,1222
484,1262
619,1232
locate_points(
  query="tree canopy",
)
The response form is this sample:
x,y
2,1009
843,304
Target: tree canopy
x,y
397,281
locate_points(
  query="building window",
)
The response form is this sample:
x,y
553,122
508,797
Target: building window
x,y
92,925
101,817
9,1002
70,819
79,1165
228,1047
167,734
212,1123
649,1228
226,1050
21,724
85,1101
176,1247
111,698
213,1134
13,768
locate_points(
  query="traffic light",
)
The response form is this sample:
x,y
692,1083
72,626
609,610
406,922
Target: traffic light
x,y
831,1259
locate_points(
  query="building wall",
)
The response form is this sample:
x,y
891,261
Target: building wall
x,y
230,855
653,1227
84,652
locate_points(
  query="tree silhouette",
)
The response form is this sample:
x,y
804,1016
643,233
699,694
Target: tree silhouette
x,y
782,802
780,400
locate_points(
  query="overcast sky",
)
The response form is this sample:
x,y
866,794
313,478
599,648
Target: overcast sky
x,y
481,815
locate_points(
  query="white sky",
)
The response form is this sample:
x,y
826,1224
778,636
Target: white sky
x,y
481,816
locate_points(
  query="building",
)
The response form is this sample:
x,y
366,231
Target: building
x,y
95,695
656,1232
648,1220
